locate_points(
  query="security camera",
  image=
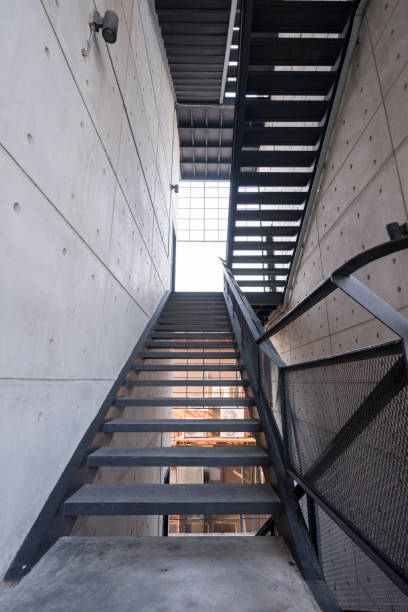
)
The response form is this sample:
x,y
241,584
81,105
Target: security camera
x,y
108,24
174,188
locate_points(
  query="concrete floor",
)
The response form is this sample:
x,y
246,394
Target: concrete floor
x,y
155,574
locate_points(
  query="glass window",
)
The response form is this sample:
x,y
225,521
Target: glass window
x,y
203,211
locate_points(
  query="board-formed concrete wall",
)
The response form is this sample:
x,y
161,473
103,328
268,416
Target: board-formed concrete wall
x,y
364,187
88,151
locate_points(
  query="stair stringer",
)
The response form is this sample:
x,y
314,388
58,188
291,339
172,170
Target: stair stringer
x,y
290,524
51,523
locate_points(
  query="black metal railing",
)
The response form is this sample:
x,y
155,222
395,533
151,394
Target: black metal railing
x,y
341,424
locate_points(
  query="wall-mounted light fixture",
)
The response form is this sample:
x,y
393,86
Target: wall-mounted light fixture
x,y
109,25
174,188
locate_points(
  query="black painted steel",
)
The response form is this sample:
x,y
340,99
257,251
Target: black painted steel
x,y
248,328
50,523
178,499
178,456
342,279
344,426
298,114
217,425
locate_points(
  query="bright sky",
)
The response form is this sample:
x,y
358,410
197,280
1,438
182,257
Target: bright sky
x,y
198,267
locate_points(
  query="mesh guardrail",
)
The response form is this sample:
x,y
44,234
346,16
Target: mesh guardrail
x,y
346,424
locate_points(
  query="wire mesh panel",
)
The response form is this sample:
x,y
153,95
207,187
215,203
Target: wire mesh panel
x,y
346,424
356,582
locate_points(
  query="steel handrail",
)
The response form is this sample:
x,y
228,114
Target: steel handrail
x,y
342,279
254,324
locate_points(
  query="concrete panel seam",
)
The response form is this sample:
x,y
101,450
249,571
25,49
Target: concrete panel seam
x,y
73,229
385,23
323,193
101,141
385,107
358,196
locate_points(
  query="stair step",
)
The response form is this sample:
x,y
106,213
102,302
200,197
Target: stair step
x,y
193,335
272,246
263,109
195,355
173,499
281,136
194,321
205,294
184,382
186,319
183,401
260,283
295,51
275,159
194,327
193,305
267,215
269,230
194,314
188,345
290,83
197,300
217,425
197,307
114,456
194,367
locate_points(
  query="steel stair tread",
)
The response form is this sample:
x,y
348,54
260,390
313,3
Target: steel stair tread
x,y
184,382
193,327
183,401
188,345
172,499
178,456
180,425
192,367
186,355
193,335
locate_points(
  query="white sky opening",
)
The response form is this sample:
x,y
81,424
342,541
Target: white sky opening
x,y
202,218
198,267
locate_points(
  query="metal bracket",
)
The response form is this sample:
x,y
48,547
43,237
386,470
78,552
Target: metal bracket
x,y
95,22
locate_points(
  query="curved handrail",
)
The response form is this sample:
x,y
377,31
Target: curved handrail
x,y
333,282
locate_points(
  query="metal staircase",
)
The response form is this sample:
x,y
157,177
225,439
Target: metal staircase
x,y
192,342
193,334
291,56
216,341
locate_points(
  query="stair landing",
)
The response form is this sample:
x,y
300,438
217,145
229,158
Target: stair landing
x,y
157,574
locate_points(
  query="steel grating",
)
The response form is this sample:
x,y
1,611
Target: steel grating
x,y
196,40
347,426
355,580
205,141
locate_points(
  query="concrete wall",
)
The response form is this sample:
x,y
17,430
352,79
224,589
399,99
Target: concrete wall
x,y
364,187
88,152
